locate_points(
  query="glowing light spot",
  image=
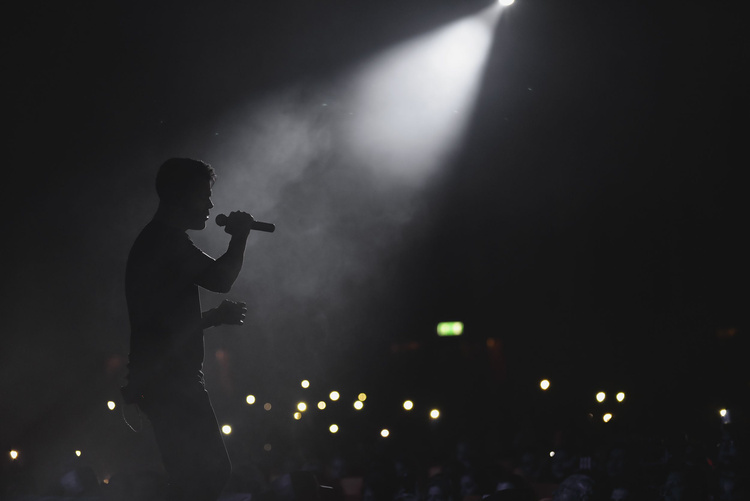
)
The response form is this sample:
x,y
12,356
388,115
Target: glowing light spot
x,y
620,396
361,397
544,384
450,328
298,415
305,383
506,3
321,405
434,414
267,447
334,428
601,396
267,406
226,429
551,454
14,455
607,417
334,395
723,412
384,432
358,405
408,405
250,399
111,405
78,453
302,406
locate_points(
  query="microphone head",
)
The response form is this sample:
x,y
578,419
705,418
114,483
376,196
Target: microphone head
x,y
221,220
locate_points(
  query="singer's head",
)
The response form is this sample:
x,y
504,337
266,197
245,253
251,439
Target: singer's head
x,y
184,189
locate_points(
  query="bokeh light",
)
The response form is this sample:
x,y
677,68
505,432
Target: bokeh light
x,y
297,415
408,405
321,405
601,396
434,414
305,383
334,395
78,453
544,384
358,405
14,454
267,406
302,406
620,396
226,429
361,397
250,399
607,417
723,412
384,432
111,405
334,428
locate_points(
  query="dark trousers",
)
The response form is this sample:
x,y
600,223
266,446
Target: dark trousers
x,y
190,442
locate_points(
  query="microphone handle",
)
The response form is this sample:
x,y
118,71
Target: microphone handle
x,y
221,220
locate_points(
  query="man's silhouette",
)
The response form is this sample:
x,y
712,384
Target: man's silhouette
x,y
164,271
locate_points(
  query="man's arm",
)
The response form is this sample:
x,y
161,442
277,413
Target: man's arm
x,y
220,275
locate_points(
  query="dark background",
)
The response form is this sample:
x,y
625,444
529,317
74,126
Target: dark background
x,y
591,226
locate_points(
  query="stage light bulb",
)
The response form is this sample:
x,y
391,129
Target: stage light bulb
x,y
111,405
334,395
544,384
302,406
298,415
250,399
78,453
361,397
384,432
226,429
321,405
14,454
358,405
305,383
601,396
723,412
408,405
434,414
607,417
506,3
620,396
334,428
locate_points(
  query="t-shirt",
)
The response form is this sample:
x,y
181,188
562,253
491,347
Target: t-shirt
x,y
166,337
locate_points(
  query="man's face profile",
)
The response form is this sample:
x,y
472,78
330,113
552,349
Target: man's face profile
x,y
196,204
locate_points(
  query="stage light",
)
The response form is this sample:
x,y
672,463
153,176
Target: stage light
x,y
334,395
408,405
434,414
414,101
111,405
506,3
358,405
250,399
305,383
334,428
14,454
321,405
544,384
601,396
226,429
450,329
361,397
384,432
551,454
298,415
722,412
302,406
607,417
620,396
78,453
267,406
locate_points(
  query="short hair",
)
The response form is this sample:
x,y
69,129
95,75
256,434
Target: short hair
x,y
177,176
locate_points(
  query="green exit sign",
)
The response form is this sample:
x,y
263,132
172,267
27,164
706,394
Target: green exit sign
x,y
450,329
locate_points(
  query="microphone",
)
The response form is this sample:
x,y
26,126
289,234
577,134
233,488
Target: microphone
x,y
221,220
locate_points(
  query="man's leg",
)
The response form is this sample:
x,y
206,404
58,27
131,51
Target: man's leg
x,y
190,442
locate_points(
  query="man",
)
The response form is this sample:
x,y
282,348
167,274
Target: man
x,y
165,379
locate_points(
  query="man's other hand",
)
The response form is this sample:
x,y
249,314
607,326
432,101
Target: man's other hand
x,y
231,313
239,223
